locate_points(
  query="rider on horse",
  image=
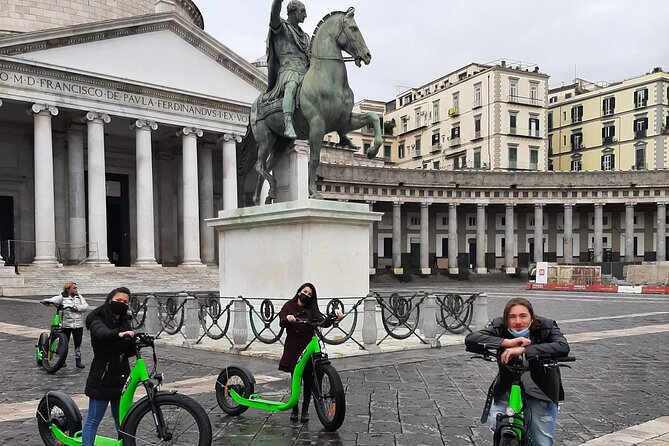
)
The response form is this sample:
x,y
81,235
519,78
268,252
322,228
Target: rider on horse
x,y
287,58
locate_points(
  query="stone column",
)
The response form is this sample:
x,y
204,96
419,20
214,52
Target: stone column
x,y
191,217
599,232
629,232
230,141
45,218
206,193
425,239
480,239
661,253
452,238
568,245
97,191
397,238
372,267
76,192
509,251
60,194
538,232
146,240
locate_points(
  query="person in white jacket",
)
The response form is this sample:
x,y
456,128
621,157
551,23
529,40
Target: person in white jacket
x,y
73,320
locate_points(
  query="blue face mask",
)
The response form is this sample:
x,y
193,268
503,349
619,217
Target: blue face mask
x,y
519,334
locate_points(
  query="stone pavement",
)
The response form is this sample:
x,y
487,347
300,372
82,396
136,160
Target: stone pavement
x,y
420,397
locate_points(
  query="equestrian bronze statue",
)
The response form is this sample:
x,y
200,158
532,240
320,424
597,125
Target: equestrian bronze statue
x,y
315,73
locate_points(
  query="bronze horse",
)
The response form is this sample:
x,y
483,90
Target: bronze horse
x,y
325,101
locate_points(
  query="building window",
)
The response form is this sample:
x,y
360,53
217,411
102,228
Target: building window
x,y
534,159
405,123
577,113
608,133
435,111
513,157
417,147
512,125
550,121
386,151
406,99
640,127
550,164
417,117
477,127
477,95
640,158
550,145
534,94
462,76
435,140
477,158
435,165
577,141
552,100
400,150
608,106
534,127
576,164
641,98
463,161
456,163
456,105
513,91
365,147
608,161
455,133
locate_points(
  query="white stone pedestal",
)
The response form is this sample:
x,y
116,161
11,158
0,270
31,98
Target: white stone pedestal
x,y
270,250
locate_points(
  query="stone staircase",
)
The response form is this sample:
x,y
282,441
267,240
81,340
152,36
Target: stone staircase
x,y
40,281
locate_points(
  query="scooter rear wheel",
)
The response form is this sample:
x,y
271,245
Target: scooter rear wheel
x,y
40,347
59,409
233,378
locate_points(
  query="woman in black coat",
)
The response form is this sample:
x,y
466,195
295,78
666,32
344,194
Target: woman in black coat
x,y
112,341
304,305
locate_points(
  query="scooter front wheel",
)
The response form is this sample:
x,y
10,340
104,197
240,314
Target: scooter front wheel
x,y
59,409
329,397
41,347
241,381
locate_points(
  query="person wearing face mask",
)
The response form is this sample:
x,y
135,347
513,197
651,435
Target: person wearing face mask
x,y
519,331
112,342
304,305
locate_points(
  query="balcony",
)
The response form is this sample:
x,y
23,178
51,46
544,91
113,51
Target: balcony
x,y
453,112
607,112
435,148
452,142
534,133
609,139
513,130
638,134
577,146
576,119
476,104
534,102
476,135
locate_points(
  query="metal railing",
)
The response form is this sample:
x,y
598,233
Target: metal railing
x,y
368,321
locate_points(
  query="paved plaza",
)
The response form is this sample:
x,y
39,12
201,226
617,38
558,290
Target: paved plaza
x,y
416,397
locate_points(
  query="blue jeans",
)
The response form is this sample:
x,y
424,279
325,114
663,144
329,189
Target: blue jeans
x,y
543,416
96,410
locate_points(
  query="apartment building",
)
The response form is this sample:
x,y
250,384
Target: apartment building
x,y
481,116
609,127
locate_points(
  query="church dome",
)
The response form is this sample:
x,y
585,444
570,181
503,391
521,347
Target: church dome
x,y
18,16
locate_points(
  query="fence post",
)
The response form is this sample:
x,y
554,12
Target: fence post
x,y
429,321
240,328
152,321
369,330
481,311
191,327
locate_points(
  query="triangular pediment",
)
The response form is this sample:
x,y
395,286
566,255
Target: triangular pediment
x,y
159,49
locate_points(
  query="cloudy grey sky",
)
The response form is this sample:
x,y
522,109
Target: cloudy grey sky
x,y
416,41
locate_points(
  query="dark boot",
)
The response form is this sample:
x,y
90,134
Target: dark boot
x,y
294,414
305,413
289,131
80,365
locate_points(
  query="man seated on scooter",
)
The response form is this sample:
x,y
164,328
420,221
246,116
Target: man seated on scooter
x,y
519,331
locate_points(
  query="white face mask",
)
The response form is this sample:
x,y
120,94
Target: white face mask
x,y
519,334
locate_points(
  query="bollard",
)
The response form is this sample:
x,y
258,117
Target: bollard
x,y
428,321
240,328
369,330
152,321
481,312
191,326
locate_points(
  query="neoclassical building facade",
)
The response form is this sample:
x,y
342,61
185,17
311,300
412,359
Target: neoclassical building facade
x,y
118,139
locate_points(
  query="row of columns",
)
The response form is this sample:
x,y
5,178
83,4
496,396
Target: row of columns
x,y
197,200
509,253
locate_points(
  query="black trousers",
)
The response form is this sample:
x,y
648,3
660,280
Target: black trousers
x,y
307,382
77,334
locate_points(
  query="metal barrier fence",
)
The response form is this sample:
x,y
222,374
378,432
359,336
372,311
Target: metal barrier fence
x,y
241,321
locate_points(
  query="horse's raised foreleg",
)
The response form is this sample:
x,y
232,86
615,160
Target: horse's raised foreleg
x,y
359,120
316,134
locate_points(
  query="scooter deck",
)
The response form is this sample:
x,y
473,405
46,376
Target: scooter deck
x,y
255,402
76,440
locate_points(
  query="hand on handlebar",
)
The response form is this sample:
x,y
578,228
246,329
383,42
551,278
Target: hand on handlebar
x,y
510,353
126,334
338,314
290,318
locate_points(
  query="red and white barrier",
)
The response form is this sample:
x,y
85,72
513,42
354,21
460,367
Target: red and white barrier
x,y
627,289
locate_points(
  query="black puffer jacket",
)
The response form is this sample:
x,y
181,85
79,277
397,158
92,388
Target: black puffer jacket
x,y
547,340
110,367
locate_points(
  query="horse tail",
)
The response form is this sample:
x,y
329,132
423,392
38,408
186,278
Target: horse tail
x,y
248,153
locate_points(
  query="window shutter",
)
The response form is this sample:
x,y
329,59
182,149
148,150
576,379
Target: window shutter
x,y
603,132
613,103
612,131
645,94
601,162
645,123
613,161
